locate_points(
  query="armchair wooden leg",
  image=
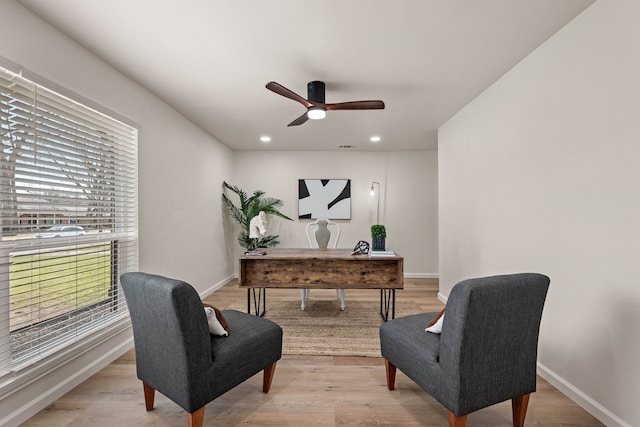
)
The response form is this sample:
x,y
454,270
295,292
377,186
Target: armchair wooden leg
x,y
149,395
268,376
457,421
519,407
391,374
196,418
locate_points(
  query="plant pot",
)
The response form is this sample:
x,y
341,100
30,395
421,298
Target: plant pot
x,y
377,244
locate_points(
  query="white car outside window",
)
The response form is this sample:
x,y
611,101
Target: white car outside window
x,y
62,231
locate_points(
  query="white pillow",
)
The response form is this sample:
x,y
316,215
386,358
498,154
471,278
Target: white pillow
x,y
436,328
214,325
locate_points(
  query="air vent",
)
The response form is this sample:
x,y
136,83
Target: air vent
x,y
346,146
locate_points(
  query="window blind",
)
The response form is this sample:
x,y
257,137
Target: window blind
x,y
68,193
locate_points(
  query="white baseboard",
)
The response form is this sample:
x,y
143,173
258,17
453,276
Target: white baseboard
x,y
587,403
421,276
217,286
31,393
442,298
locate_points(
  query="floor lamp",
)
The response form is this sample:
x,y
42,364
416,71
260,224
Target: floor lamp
x,y
373,193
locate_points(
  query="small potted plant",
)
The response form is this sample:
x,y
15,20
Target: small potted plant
x,y
378,234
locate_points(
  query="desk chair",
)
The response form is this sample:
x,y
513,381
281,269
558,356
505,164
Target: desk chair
x,y
322,234
486,352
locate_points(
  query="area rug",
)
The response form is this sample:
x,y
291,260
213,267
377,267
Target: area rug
x,y
322,329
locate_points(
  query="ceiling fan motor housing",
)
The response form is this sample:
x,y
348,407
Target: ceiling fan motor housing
x,y
315,91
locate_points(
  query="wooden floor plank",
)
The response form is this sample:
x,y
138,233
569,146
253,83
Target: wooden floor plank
x,y
306,391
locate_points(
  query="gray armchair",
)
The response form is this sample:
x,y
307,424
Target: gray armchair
x,y
177,356
486,353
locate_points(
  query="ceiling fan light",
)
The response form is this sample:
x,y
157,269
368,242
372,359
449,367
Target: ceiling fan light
x,y
316,113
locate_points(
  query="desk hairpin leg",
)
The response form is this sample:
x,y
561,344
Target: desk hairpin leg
x,y
260,297
387,300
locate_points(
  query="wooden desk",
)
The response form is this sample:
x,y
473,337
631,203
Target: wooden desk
x,y
321,269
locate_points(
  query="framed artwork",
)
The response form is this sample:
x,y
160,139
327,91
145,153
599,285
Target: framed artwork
x,y
324,198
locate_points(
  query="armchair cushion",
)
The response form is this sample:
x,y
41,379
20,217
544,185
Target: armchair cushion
x,y
254,343
404,342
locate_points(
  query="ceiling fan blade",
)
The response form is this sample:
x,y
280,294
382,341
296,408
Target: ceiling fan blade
x,y
281,90
357,105
300,120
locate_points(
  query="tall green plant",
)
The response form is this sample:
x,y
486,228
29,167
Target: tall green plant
x,y
250,207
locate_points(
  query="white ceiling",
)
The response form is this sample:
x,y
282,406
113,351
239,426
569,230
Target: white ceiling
x,y
211,59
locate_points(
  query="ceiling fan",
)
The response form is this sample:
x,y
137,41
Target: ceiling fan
x,y
315,104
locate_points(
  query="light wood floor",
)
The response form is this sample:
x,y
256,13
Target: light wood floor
x,y
306,391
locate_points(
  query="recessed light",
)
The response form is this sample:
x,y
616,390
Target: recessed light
x,y
375,138
265,138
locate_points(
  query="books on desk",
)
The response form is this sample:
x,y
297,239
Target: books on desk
x,y
255,252
386,252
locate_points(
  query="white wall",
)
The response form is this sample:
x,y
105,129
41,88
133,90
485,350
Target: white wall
x,y
540,173
180,214
184,231
408,203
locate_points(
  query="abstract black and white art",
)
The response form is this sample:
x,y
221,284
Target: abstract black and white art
x,y
324,198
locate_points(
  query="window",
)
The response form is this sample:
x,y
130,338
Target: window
x,y
68,194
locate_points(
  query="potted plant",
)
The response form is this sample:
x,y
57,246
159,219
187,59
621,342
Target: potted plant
x,y
249,208
378,234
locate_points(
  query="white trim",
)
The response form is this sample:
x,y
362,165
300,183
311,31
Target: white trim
x,y
442,298
217,286
421,276
27,393
587,403
36,78
10,65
